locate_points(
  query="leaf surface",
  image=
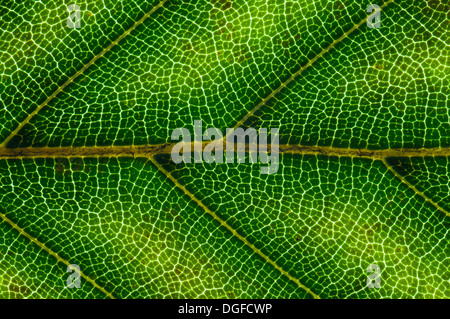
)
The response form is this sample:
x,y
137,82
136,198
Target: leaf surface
x,y
86,176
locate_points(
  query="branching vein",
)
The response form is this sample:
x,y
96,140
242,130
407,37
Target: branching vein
x,y
52,253
233,231
79,72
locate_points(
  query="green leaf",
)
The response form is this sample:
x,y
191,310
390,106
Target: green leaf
x,y
86,177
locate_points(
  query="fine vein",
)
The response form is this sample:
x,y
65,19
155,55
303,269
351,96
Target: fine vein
x,y
52,253
79,72
418,192
232,230
307,65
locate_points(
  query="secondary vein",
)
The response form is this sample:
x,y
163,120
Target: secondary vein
x,y
166,148
52,253
79,72
232,230
307,65
418,192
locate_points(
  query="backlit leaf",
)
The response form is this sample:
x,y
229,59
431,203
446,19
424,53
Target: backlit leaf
x,y
86,176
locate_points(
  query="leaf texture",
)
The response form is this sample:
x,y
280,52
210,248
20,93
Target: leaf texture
x,y
86,177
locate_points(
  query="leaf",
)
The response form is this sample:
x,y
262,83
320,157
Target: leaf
x,y
86,176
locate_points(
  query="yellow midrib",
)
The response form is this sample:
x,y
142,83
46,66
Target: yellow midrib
x,y
166,148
